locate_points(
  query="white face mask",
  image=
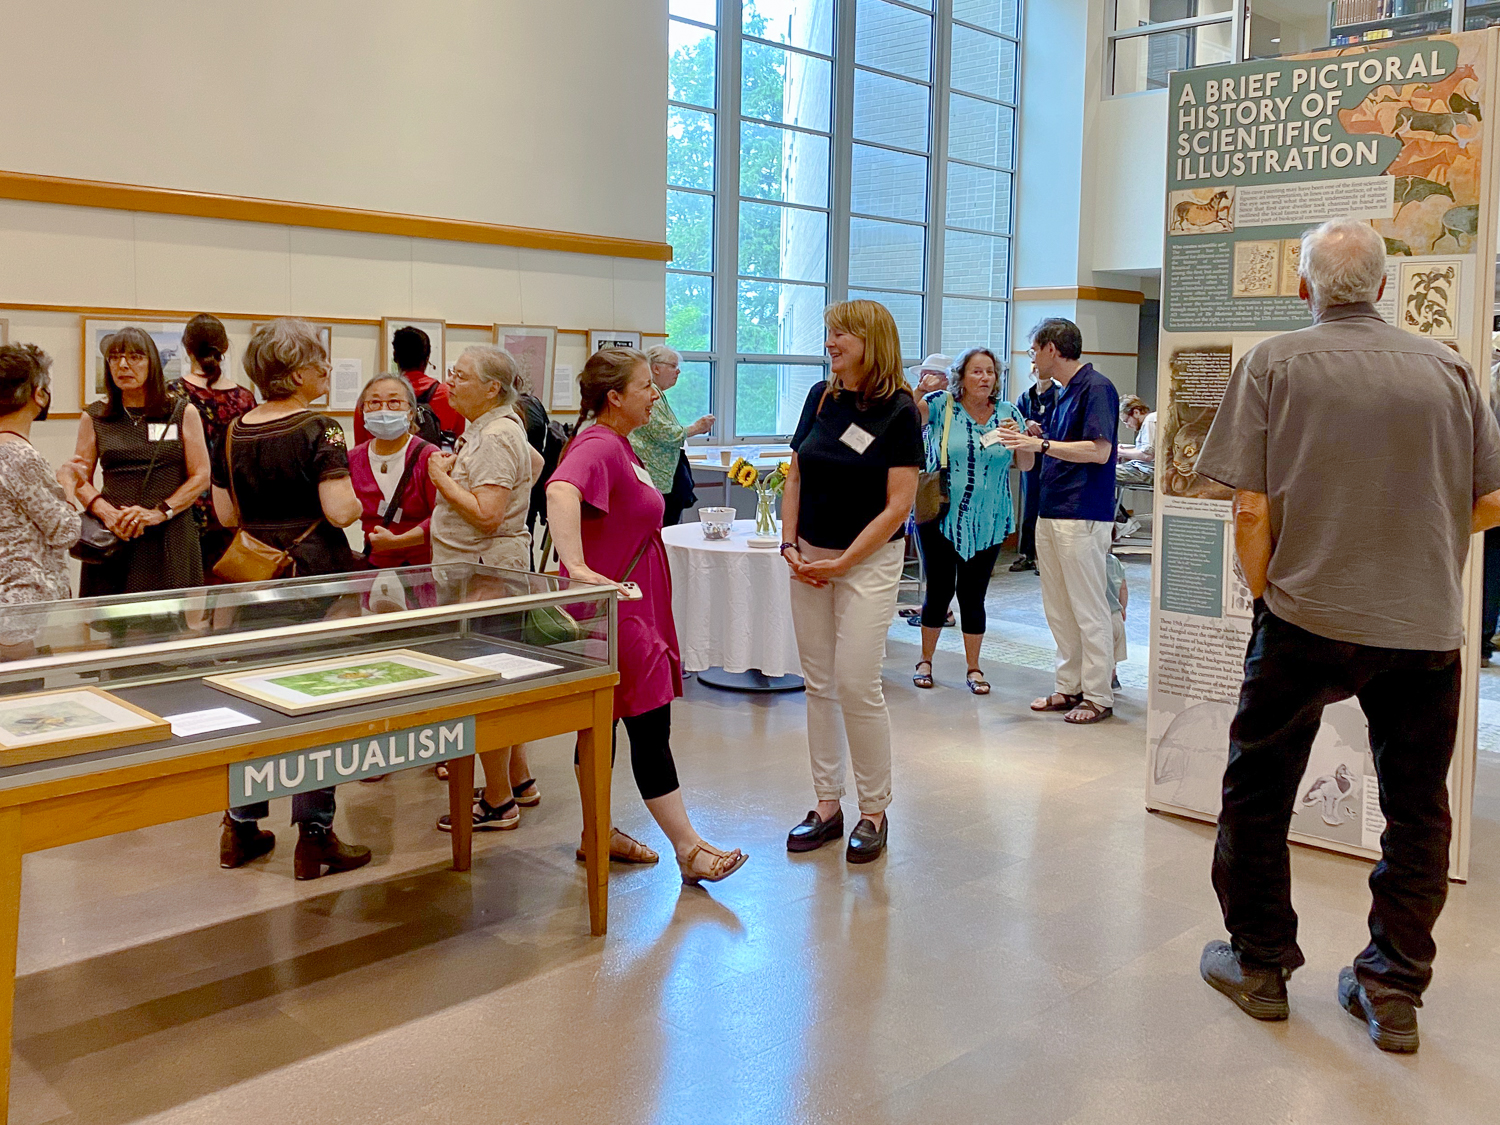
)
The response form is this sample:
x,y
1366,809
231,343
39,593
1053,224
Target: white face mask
x,y
387,424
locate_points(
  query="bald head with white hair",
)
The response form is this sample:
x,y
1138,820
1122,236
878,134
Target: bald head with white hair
x,y
1342,263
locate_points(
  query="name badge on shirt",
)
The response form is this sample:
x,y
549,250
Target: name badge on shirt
x,y
857,439
643,476
991,438
161,431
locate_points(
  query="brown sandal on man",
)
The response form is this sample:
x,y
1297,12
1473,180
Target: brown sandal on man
x,y
625,849
1057,701
1088,712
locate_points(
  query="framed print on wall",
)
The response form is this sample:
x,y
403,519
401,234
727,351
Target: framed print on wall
x,y
325,337
611,338
166,334
436,332
534,348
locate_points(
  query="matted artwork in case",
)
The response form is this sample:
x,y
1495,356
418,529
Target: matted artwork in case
x,y
437,330
610,338
299,689
58,724
167,335
534,348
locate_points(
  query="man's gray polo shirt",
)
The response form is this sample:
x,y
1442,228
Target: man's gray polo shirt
x,y
1372,444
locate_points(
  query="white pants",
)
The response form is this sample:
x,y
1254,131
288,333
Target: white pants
x,y
1070,559
841,630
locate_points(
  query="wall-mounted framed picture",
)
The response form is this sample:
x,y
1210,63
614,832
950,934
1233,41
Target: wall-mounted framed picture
x,y
534,348
167,335
436,330
317,685
325,337
57,724
612,338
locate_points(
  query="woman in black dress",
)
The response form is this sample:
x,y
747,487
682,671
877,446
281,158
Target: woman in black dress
x,y
150,445
282,473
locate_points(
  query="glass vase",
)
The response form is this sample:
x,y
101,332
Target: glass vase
x,y
765,515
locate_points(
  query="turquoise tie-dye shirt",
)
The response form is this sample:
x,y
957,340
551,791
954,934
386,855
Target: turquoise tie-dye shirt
x,y
980,513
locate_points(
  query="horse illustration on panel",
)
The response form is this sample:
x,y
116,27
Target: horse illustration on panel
x,y
1214,212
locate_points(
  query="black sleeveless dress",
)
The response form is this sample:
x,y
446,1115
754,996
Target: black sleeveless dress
x,y
164,557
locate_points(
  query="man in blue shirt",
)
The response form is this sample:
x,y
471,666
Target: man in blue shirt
x,y
1076,515
1036,404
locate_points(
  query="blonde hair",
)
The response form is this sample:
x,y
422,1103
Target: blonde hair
x,y
871,322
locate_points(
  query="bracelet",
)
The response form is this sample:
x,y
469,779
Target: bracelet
x,y
782,549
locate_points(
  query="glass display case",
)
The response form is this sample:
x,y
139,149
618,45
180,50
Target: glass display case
x,y
137,674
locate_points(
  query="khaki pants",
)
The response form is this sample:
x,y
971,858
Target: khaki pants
x,y
1070,559
841,630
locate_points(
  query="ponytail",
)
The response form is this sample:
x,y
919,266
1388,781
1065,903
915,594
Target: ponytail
x,y
608,369
206,341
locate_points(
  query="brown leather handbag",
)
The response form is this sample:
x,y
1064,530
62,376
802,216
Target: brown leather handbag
x,y
247,558
932,487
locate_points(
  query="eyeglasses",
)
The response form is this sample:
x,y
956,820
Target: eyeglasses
x,y
130,359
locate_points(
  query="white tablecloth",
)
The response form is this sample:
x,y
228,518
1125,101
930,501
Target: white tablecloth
x,y
731,602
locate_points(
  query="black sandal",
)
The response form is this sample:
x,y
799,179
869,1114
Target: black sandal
x,y
921,680
979,686
530,802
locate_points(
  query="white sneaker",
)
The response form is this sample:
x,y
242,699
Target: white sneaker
x,y
1129,528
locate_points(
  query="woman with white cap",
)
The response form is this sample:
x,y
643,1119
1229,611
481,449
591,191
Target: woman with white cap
x,y
964,413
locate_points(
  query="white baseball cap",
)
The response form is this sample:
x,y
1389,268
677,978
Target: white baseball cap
x,y
937,362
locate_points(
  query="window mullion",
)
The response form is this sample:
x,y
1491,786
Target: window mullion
x,y
727,217
937,173
843,151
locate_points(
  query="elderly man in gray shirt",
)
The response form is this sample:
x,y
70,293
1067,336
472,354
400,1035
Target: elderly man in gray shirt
x,y
1342,440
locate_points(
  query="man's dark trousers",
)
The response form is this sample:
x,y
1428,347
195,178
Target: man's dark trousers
x,y
1410,698
1031,508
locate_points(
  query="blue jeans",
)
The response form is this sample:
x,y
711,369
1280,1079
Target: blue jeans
x,y
316,807
1410,698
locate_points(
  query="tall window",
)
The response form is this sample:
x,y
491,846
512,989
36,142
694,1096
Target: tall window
x,y
812,147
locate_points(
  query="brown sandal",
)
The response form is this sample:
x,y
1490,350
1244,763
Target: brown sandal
x,y
1088,712
720,865
1057,701
625,849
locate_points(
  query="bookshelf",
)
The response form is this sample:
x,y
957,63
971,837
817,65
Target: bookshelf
x,y
1368,21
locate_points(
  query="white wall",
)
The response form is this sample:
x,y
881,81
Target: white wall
x,y
548,114
1130,182
539,113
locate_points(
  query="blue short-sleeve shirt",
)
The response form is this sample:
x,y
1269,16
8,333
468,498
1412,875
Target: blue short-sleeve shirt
x,y
1088,408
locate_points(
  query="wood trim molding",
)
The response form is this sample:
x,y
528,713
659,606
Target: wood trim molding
x,y
246,209
1086,351
1081,293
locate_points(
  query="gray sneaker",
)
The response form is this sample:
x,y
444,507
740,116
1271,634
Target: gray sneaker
x,y
1392,1022
1259,992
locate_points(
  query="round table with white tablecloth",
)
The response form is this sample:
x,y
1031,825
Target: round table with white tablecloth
x,y
733,609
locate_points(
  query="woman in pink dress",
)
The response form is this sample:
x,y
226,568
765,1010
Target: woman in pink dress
x,y
605,515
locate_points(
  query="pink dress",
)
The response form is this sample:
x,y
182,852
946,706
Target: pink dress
x,y
622,509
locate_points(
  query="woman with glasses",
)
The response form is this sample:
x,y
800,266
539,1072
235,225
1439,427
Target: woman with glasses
x,y
282,474
390,476
150,445
659,442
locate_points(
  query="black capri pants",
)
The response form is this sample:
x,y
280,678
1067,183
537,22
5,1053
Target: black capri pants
x,y
650,752
947,573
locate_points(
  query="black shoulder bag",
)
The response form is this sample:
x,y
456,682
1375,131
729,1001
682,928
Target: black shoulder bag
x,y
96,543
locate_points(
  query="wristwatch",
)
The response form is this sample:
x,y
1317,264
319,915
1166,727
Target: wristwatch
x,y
165,509
1046,445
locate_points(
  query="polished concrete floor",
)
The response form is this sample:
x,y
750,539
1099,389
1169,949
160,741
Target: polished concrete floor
x,y
1026,952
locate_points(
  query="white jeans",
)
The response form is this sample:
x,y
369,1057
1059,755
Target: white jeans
x,y
841,630
1070,559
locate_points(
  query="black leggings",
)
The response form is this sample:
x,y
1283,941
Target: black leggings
x,y
650,752
947,572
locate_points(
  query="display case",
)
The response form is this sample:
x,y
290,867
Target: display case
x,y
93,681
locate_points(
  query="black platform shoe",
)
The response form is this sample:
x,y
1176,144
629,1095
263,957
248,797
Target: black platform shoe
x,y
867,842
242,841
814,832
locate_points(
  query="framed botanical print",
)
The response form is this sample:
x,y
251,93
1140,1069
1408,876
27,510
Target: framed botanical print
x,y
167,335
612,338
534,348
317,685
437,365
58,724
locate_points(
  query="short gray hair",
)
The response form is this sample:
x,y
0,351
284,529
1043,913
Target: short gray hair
x,y
1343,262
278,351
660,353
495,365
388,377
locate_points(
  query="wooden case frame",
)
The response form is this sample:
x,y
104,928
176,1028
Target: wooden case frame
x,y
68,744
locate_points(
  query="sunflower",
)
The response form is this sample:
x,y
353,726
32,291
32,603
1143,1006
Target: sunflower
x,y
743,474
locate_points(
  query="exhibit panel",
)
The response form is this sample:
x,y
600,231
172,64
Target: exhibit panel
x,y
126,712
1258,154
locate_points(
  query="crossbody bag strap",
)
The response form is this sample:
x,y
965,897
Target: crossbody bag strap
x,y
947,422
229,465
412,454
173,420
635,561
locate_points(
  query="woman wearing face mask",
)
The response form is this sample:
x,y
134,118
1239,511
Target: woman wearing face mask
x,y
390,476
37,525
150,445
959,550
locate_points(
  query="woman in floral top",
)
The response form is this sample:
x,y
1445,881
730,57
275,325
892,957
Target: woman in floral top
x,y
220,400
659,442
37,525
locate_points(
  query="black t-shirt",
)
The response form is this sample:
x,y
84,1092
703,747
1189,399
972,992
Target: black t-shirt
x,y
844,489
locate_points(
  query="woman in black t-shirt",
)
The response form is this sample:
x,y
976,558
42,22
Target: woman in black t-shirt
x,y
289,469
853,479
